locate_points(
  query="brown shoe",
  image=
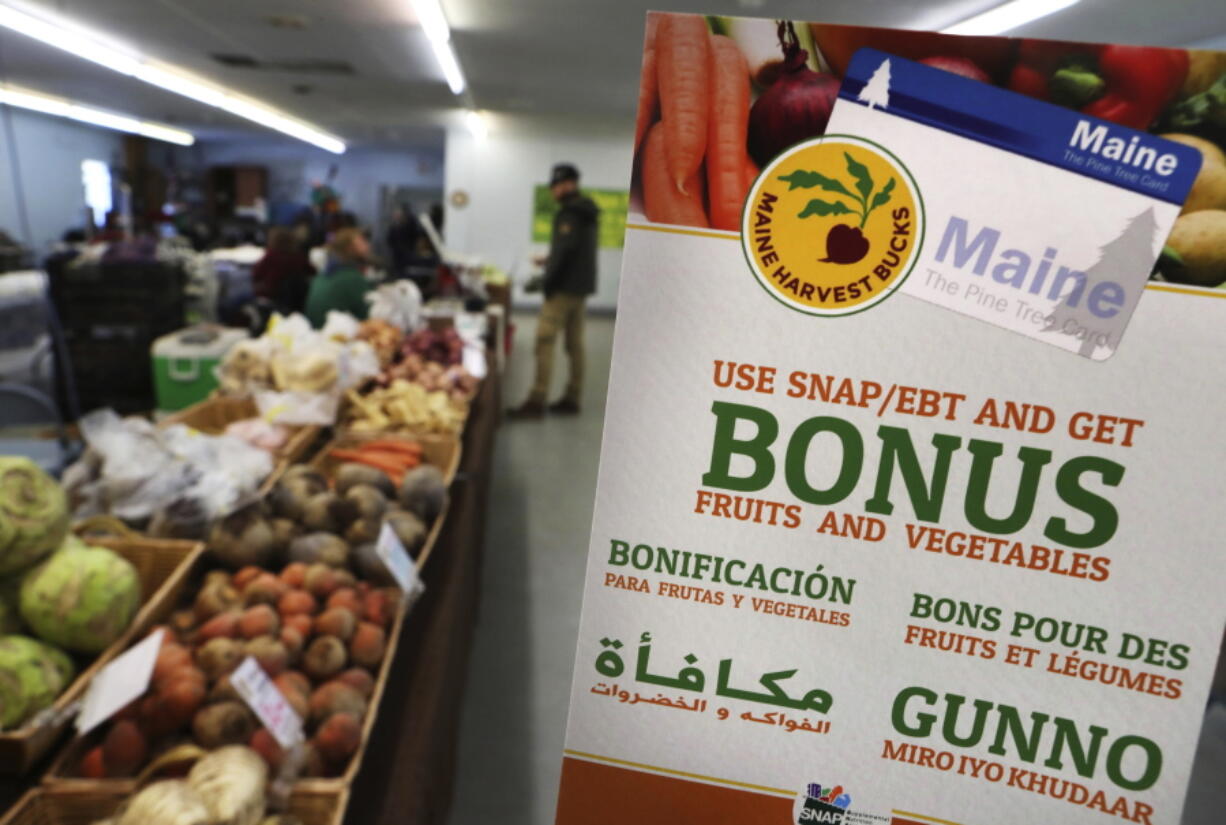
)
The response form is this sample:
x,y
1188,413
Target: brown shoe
x,y
564,406
528,410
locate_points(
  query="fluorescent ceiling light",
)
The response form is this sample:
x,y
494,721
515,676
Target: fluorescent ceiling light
x,y
450,65
1008,16
434,24
92,48
433,21
477,123
96,117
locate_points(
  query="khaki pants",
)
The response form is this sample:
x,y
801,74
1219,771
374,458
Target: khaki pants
x,y
560,313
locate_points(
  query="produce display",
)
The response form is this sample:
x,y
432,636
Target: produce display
x,y
292,578
426,391
405,406
302,591
59,597
33,515
720,97
297,374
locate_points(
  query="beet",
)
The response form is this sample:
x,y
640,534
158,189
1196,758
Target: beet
x,y
845,245
795,108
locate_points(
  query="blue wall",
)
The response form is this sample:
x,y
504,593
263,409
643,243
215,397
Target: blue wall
x,y
293,167
49,151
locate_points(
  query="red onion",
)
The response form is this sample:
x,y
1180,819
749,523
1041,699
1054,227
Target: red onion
x,y
797,105
957,65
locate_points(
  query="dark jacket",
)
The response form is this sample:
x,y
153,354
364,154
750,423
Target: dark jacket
x,y
572,249
282,277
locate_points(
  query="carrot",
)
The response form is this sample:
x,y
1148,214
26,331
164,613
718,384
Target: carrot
x,y
392,468
367,456
664,202
751,172
728,128
649,84
682,47
411,447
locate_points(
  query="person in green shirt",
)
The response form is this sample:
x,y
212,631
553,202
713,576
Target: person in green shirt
x,y
342,286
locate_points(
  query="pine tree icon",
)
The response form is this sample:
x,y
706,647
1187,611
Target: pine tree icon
x,y
876,93
1127,260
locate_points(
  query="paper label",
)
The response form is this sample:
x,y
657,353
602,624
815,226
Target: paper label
x,y
125,678
398,562
268,703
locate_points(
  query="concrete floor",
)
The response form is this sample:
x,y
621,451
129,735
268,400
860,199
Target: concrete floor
x,y
540,514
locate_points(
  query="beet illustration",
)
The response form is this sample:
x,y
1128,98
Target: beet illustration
x,y
845,245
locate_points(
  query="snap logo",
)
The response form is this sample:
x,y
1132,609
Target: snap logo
x,y
824,806
833,226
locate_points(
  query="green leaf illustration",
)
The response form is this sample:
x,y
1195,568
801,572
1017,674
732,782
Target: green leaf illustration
x,y
882,197
864,181
804,179
822,208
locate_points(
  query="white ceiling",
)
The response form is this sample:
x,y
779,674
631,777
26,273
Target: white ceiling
x,y
577,57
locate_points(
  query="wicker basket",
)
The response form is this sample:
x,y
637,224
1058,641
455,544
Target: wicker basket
x,y
439,450
163,566
84,805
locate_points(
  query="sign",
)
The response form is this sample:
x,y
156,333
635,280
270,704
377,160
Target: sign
x,y
124,679
901,514
613,203
267,702
398,563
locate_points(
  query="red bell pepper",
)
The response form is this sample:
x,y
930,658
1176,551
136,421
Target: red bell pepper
x,y
1129,85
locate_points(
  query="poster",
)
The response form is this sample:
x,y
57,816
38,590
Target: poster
x,y
901,514
613,205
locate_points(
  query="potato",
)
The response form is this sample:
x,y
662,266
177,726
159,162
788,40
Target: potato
x,y
352,474
1211,152
1204,68
1208,190
320,547
1200,240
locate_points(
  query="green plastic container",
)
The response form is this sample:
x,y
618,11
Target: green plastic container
x,y
183,364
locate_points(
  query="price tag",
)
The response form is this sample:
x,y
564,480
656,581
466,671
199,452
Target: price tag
x,y
396,559
121,681
269,704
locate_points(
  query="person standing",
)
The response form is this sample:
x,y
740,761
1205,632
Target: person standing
x,y
283,275
570,276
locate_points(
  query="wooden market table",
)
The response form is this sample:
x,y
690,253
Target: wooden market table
x,y
408,772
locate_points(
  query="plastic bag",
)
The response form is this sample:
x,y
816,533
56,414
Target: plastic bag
x,y
177,480
399,303
339,326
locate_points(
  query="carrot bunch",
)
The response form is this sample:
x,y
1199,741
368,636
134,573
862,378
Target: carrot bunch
x,y
393,457
692,121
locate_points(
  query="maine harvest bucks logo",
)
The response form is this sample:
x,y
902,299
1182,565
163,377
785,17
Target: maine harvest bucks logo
x,y
833,225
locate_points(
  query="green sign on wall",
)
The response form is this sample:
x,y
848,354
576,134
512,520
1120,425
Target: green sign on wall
x,y
613,203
